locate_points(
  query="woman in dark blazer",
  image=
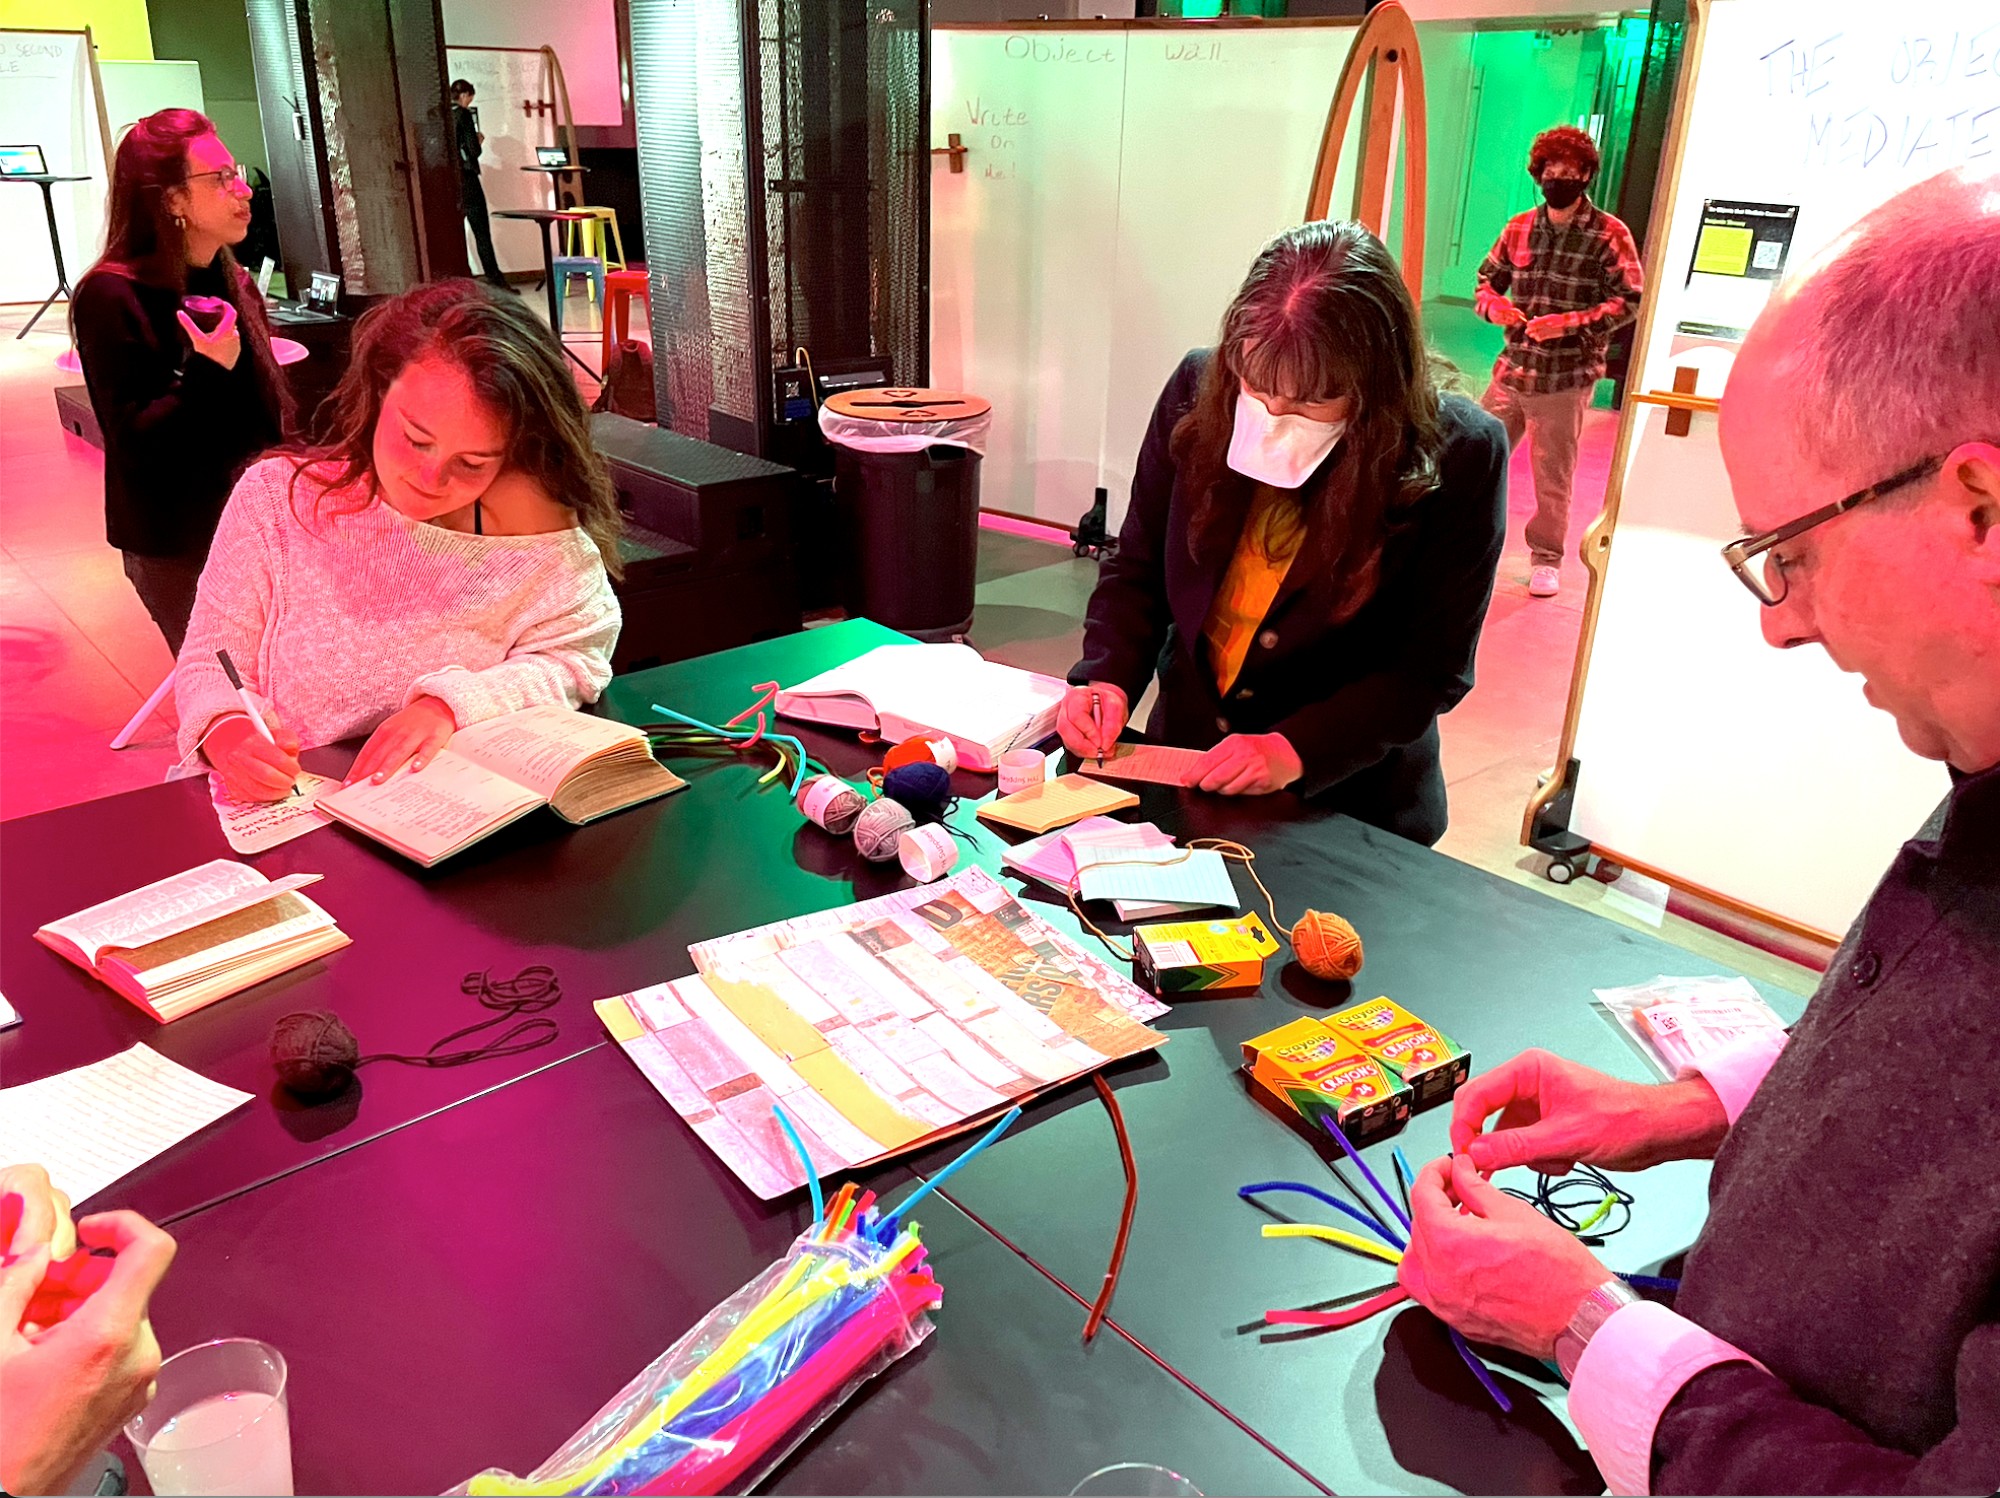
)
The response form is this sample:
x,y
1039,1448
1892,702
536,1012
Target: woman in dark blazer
x,y
1309,550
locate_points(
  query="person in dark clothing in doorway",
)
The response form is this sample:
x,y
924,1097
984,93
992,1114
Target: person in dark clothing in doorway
x,y
1837,1327
176,353
470,142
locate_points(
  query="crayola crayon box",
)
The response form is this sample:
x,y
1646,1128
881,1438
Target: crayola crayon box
x,y
1429,1062
1213,958
1316,1072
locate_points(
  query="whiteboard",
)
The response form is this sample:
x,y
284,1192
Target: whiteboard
x,y
1757,774
47,99
1118,182
507,84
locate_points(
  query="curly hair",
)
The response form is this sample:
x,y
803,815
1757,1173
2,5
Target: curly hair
x,y
1564,143
515,366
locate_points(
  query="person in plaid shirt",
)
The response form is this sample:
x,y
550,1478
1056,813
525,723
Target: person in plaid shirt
x,y
1561,279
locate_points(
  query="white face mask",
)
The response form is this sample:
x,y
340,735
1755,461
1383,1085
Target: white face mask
x,y
1282,451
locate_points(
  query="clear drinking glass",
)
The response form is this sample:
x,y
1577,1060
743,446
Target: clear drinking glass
x,y
1135,1480
218,1424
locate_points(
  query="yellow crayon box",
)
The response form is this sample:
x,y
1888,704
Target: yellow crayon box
x,y
1317,1072
1207,957
1429,1062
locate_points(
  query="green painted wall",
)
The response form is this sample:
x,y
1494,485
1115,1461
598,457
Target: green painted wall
x,y
215,34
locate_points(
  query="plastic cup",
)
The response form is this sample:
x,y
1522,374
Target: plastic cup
x,y
1135,1480
218,1424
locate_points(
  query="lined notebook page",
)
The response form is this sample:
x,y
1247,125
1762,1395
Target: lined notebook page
x,y
94,1125
1197,877
1158,764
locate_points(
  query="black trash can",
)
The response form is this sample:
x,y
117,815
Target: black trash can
x,y
907,482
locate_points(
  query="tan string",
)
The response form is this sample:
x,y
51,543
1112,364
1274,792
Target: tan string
x,y
1234,851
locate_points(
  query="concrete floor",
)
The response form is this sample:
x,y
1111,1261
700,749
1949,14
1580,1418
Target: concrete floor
x,y
78,653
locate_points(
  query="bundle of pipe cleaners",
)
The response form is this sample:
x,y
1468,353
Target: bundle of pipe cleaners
x,y
683,734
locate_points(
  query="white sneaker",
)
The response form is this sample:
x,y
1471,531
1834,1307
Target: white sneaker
x,y
1544,582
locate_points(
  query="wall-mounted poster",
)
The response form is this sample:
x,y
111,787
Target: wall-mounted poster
x,y
1739,255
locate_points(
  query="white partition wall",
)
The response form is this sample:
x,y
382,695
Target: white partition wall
x,y
49,99
1118,180
1760,776
509,87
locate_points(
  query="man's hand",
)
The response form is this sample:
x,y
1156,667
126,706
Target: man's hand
x,y
1542,329
224,345
1491,1265
252,768
66,1388
1081,735
1554,1113
1507,315
1248,764
33,1214
411,737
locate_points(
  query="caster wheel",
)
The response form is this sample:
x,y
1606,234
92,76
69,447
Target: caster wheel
x,y
1560,871
1080,549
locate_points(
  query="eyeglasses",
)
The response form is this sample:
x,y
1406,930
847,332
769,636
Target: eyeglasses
x,y
1768,581
226,176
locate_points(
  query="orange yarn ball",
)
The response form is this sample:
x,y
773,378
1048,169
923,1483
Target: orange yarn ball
x,y
921,751
1327,946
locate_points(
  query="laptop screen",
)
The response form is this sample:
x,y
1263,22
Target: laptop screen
x,y
551,156
323,294
22,161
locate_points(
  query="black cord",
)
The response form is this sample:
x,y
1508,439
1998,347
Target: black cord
x,y
1572,1200
528,992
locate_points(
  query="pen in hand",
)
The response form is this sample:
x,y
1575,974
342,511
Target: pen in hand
x,y
249,706
1097,725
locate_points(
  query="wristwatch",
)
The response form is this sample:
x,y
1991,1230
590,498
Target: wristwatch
x,y
1597,1308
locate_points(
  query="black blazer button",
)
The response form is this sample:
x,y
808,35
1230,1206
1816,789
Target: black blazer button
x,y
1268,639
1867,968
1221,725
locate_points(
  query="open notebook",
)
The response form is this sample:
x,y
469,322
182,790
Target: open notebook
x,y
197,937
498,771
902,691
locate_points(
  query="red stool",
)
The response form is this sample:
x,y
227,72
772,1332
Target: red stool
x,y
620,286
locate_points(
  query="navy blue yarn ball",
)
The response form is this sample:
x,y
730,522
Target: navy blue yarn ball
x,y
923,788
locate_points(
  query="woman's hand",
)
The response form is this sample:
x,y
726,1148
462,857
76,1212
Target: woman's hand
x,y
224,345
1248,764
252,768
1088,733
33,1214
411,737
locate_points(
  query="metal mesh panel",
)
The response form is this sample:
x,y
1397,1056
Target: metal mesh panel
x,y
797,216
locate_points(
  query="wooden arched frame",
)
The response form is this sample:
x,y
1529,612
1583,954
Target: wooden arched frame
x,y
1386,58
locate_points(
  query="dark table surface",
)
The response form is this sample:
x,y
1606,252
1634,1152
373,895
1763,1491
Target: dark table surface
x,y
427,1186
468,1291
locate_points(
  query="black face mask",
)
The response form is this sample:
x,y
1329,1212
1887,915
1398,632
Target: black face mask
x,y
1561,192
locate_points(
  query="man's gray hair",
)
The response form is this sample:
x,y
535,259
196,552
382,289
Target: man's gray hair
x,y
1893,338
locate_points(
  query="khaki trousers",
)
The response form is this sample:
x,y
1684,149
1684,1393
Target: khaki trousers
x,y
1554,422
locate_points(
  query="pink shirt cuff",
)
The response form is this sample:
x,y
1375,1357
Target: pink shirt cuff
x,y
1626,1378
1737,1070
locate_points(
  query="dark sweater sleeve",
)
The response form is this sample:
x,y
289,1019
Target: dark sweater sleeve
x,y
1734,1428
1440,606
1129,614
155,415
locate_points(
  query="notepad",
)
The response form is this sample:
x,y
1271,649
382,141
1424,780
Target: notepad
x,y
1102,840
1050,859
1195,877
1056,803
1159,764
254,826
99,1123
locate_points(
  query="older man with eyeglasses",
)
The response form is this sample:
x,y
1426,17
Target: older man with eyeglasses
x,y
1837,1329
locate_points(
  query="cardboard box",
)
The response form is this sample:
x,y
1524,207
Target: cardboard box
x,y
1206,957
1429,1062
1317,1072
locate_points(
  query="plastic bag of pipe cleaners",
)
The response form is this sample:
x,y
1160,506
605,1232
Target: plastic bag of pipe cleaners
x,y
726,1403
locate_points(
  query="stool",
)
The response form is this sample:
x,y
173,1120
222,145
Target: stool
x,y
588,237
620,286
565,266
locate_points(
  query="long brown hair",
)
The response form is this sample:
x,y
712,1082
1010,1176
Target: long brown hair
x,y
1322,315
516,368
144,241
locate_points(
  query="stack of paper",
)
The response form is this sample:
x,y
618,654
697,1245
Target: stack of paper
x,y
877,1027
1050,859
1133,879
1122,845
95,1125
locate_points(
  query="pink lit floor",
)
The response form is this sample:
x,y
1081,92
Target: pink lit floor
x,y
78,654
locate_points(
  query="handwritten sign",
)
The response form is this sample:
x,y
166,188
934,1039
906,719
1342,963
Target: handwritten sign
x,y
253,826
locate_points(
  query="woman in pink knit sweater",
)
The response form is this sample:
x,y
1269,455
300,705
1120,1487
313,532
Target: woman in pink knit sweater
x,y
440,559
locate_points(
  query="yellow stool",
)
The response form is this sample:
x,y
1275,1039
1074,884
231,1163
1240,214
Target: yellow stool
x,y
588,237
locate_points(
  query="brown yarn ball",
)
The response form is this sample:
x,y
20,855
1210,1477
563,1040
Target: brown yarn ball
x,y
1327,946
314,1053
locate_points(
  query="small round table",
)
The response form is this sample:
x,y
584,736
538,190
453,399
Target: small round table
x,y
45,181
545,217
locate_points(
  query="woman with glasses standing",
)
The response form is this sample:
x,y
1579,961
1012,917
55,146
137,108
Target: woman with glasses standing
x,y
176,353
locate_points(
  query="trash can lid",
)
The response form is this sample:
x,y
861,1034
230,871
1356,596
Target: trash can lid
x,y
899,403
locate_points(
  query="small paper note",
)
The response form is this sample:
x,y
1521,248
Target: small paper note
x,y
253,826
1196,878
97,1124
1056,803
1158,764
